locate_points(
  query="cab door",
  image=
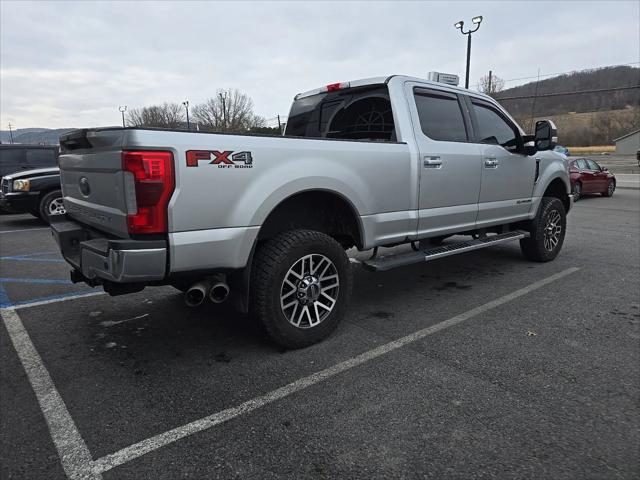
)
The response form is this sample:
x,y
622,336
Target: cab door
x,y
601,180
449,169
508,175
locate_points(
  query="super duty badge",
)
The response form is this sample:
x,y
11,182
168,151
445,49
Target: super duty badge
x,y
223,159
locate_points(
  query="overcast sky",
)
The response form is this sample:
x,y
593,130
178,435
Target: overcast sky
x,y
71,64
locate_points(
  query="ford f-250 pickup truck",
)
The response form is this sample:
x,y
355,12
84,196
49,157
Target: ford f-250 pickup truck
x,y
368,164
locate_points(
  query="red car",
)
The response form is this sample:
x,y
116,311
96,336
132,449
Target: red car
x,y
588,177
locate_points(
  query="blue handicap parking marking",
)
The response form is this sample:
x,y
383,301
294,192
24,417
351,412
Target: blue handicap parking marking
x,y
37,281
52,257
39,257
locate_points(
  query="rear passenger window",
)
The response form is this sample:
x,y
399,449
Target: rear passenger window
x,y
41,157
440,116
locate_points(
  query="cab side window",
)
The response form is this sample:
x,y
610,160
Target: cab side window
x,y
593,165
493,128
440,115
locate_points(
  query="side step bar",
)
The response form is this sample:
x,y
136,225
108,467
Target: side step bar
x,y
380,264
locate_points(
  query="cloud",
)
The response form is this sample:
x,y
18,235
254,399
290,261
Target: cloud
x,y
72,63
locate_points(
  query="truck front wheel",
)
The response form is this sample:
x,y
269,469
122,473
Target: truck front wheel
x,y
300,287
547,231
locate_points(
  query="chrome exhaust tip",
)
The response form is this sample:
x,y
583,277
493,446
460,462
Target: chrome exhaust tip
x,y
196,293
219,292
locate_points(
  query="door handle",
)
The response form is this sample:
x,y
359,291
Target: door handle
x,y
491,162
432,162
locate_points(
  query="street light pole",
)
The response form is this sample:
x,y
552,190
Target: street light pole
x,y
11,132
459,25
186,106
122,108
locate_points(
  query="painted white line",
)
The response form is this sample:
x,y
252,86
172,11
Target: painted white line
x,y
154,443
25,230
54,300
74,454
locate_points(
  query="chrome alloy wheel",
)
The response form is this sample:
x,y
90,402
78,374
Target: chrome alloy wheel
x,y
552,230
611,188
309,291
56,207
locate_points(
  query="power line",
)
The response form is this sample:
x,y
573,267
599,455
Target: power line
x,y
569,71
558,94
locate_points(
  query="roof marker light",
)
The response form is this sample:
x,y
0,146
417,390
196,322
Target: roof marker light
x,y
334,87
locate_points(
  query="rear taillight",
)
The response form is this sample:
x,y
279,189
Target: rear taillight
x,y
154,182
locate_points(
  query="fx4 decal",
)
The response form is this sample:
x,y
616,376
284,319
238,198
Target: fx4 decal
x,y
224,159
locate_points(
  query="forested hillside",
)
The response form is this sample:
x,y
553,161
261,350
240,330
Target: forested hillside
x,y
590,118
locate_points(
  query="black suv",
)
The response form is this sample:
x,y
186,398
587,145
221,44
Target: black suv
x,y
26,157
30,180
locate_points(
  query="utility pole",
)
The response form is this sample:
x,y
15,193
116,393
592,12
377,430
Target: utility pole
x,y
224,110
533,103
186,106
122,108
489,89
11,133
279,125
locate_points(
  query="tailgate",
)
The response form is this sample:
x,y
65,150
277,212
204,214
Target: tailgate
x,y
92,179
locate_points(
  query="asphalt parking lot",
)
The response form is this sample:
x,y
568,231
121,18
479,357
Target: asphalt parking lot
x,y
482,365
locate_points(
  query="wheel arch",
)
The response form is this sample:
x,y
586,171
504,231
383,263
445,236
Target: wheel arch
x,y
557,187
337,216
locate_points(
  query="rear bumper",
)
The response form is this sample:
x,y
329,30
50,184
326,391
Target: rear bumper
x,y
97,259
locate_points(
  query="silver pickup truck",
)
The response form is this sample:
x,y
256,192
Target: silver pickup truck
x,y
367,164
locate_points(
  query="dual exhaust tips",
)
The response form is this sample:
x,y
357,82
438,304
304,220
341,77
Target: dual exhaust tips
x,y
215,288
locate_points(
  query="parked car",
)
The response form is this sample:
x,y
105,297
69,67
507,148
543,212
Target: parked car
x,y
588,177
372,163
26,157
32,191
562,150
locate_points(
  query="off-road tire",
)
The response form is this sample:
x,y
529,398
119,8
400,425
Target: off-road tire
x,y
272,261
43,208
533,248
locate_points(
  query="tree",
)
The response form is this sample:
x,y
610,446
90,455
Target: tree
x,y
497,85
228,111
167,115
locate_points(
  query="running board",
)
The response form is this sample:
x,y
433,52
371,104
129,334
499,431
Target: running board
x,y
380,264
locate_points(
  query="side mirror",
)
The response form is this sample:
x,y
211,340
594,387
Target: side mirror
x,y
546,136
603,168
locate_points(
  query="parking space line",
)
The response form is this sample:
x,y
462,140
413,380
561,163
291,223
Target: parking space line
x,y
25,230
156,442
73,451
55,299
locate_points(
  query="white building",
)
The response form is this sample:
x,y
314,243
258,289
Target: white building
x,y
628,144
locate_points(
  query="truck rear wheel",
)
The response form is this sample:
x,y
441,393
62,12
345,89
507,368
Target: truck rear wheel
x,y
300,287
547,231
